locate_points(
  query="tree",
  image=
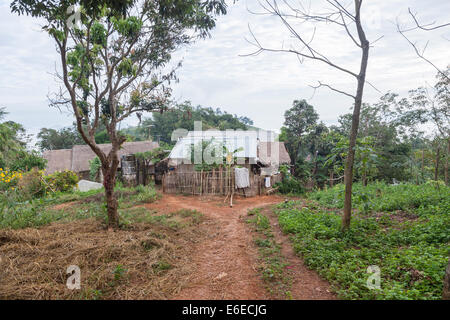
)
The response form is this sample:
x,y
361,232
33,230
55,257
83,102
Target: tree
x,y
114,63
183,116
350,22
11,141
443,75
298,121
433,106
52,139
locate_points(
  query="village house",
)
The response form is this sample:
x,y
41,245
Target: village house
x,y
77,158
256,151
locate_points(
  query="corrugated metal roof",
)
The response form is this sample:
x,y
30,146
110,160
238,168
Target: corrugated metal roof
x,y
268,153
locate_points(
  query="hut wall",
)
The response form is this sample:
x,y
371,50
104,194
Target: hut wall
x,y
185,180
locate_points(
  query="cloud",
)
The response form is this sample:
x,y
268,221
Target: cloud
x,y
215,73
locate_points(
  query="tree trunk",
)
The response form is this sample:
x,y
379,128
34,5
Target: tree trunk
x,y
436,167
446,163
423,165
446,292
109,182
348,173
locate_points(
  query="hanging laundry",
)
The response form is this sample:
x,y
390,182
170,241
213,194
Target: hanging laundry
x,y
267,182
242,178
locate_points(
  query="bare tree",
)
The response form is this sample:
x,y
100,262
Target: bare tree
x,y
348,19
443,88
417,26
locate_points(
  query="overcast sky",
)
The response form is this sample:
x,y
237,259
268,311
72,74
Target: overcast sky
x,y
216,74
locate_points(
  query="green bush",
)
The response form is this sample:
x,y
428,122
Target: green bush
x,y
31,184
146,194
62,180
27,160
418,199
290,185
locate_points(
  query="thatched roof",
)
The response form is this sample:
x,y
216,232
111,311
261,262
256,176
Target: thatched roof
x,y
58,160
271,153
77,159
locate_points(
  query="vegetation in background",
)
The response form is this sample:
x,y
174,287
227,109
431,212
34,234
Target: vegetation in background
x,y
403,229
161,126
391,143
13,153
94,168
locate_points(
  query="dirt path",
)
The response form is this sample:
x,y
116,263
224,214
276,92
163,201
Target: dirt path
x,y
227,261
306,283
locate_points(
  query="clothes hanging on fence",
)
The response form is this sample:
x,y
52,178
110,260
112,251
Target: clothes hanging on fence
x,y
242,179
267,182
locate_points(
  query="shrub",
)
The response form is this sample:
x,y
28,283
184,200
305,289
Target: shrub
x,y
146,194
94,167
8,179
410,246
31,184
62,180
290,185
34,184
27,160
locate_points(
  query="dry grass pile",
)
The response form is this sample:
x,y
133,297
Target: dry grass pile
x,y
143,261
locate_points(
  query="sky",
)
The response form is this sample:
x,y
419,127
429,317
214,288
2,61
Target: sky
x,y
217,72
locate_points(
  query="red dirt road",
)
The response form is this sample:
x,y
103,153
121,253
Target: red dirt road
x,y
226,263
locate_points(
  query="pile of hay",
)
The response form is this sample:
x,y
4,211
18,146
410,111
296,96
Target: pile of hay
x,y
144,261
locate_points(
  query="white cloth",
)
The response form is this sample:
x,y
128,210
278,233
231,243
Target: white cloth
x,y
267,182
242,178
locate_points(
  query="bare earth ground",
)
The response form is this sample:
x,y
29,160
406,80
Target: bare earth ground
x,y
226,262
213,258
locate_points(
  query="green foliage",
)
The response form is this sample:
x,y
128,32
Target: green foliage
x,y
183,116
146,194
32,184
28,160
94,167
290,185
62,181
17,210
418,199
154,156
411,251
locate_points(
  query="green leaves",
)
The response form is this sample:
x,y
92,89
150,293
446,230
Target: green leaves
x,y
98,34
411,252
127,27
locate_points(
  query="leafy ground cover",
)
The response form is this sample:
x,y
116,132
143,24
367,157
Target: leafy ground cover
x,y
402,229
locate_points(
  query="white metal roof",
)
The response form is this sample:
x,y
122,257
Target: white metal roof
x,y
233,140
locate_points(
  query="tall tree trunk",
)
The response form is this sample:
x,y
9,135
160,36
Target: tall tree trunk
x,y
423,165
446,162
109,182
348,173
436,167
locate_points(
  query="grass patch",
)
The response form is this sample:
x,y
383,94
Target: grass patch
x,y
408,241
272,263
17,213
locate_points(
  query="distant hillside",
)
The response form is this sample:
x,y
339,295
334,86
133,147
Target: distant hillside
x,y
160,126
